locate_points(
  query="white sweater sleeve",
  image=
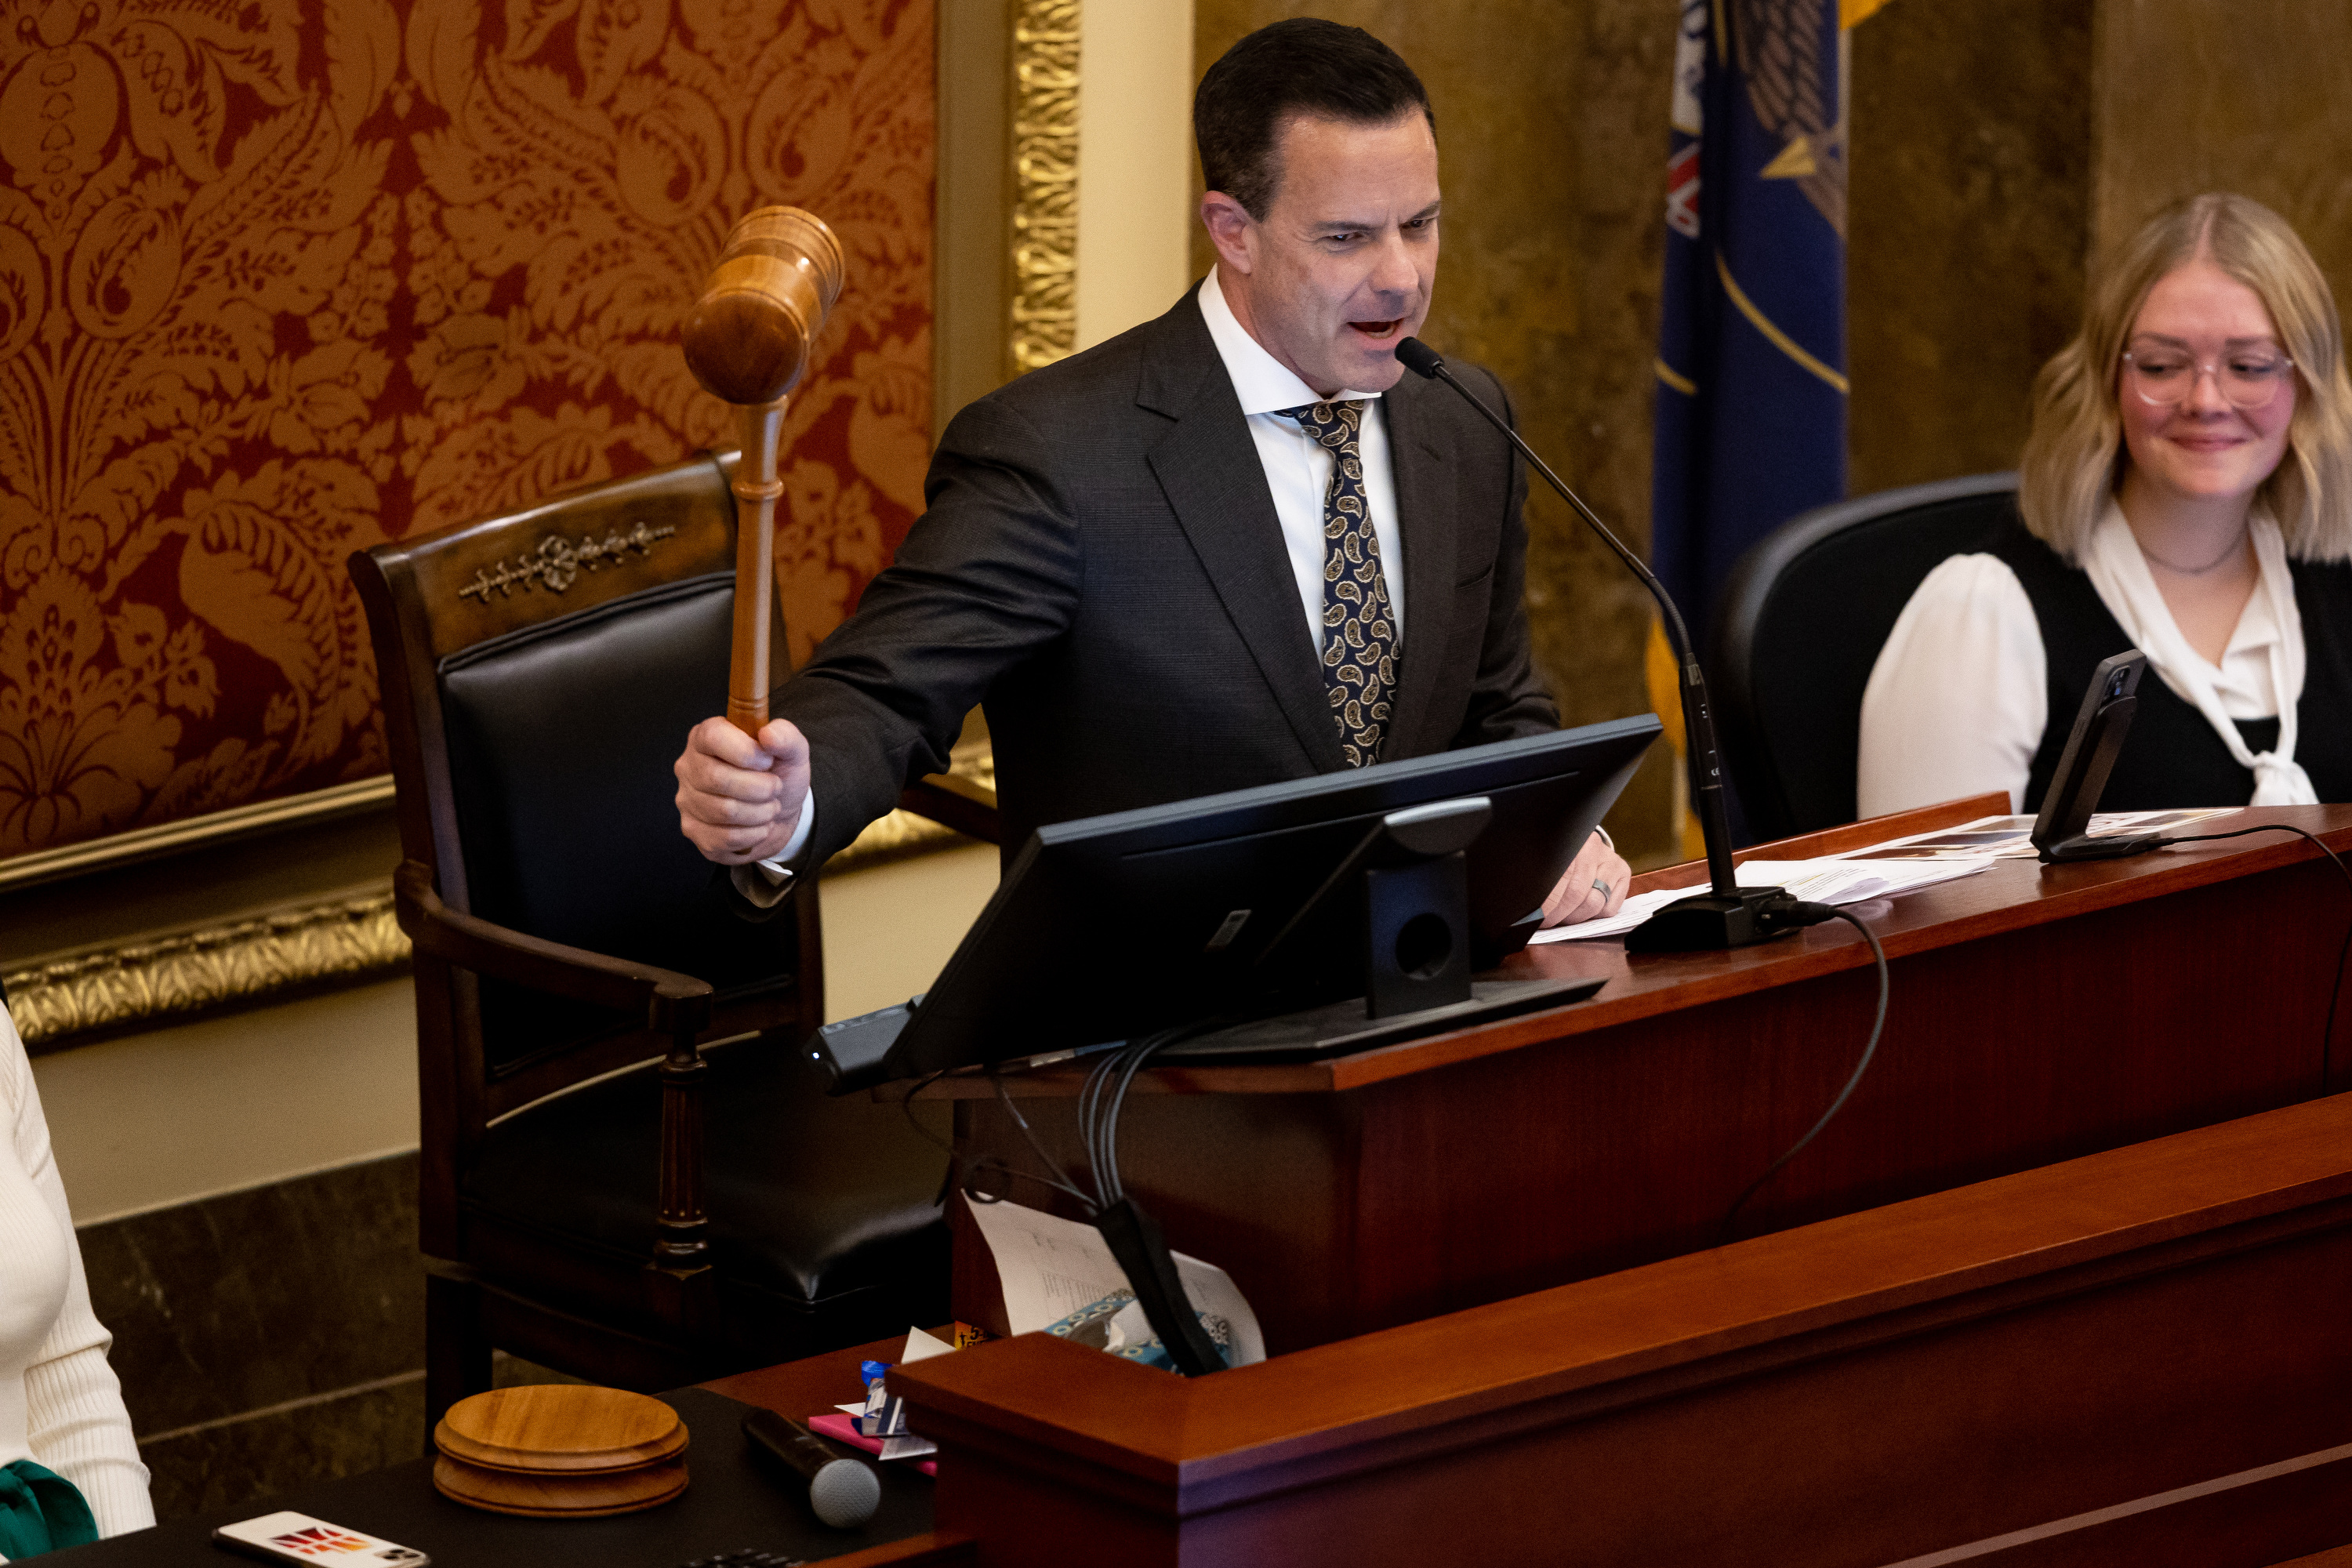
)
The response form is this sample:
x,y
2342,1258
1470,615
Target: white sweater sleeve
x,y
1957,702
75,1421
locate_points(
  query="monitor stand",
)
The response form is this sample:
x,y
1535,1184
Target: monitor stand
x,y
1341,1029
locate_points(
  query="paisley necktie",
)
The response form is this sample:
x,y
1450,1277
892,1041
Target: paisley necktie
x,y
1359,634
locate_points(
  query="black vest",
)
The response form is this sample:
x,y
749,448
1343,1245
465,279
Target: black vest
x,y
2172,757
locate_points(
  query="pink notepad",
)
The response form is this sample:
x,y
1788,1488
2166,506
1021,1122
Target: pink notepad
x,y
842,1428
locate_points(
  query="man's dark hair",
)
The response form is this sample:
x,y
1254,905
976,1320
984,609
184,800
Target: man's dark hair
x,y
1301,66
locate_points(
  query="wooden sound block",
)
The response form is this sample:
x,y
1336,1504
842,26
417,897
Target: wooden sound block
x,y
558,1494
560,1449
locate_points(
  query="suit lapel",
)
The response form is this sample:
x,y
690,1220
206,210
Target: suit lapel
x,y
1208,468
1425,493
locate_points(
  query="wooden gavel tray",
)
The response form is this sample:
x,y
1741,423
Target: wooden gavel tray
x,y
559,1451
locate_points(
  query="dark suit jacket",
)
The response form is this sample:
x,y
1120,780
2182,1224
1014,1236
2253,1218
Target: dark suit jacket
x,y
1101,566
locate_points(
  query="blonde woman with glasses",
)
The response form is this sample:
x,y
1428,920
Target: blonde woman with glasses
x,y
2186,490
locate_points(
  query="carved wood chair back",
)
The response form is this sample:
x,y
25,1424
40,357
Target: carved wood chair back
x,y
514,652
539,673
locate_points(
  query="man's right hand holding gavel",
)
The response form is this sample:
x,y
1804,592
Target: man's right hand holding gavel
x,y
748,341
742,801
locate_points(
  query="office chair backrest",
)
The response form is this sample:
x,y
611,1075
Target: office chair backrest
x,y
1802,622
540,670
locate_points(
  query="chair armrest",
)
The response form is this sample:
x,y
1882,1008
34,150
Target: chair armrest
x,y
953,801
673,1004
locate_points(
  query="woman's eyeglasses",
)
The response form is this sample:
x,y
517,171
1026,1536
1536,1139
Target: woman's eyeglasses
x,y
2166,376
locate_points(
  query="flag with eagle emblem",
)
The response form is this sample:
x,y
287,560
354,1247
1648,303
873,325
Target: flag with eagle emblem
x,y
1751,345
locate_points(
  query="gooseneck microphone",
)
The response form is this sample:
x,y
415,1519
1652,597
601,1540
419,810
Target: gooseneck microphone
x,y
1727,914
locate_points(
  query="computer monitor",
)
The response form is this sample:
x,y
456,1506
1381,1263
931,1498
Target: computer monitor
x,y
1108,928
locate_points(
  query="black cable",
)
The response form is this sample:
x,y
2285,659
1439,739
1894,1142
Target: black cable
x,y
2344,952
1131,1062
1797,916
906,1107
1062,1177
1089,1097
1133,1236
976,1167
1136,1057
962,1166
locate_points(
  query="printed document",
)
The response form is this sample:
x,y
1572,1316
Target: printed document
x,y
1828,881
1050,1267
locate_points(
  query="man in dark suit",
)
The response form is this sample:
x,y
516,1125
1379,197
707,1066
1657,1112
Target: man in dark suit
x,y
1227,548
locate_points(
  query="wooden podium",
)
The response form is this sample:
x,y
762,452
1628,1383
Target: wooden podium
x,y
2065,1283
2038,1013
2137,1358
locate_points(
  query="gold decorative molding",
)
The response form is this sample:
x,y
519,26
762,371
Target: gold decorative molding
x,y
200,970
1045,182
204,832
557,563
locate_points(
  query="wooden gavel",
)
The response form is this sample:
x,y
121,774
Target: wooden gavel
x,y
746,341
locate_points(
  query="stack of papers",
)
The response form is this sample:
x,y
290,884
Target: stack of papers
x,y
1840,880
2012,837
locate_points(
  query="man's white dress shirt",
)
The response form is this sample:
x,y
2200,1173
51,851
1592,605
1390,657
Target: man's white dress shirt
x,y
1958,701
1298,467
1297,472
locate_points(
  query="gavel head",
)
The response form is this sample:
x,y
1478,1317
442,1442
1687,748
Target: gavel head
x,y
746,338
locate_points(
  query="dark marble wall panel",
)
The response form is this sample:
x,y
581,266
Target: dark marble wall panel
x,y
1552,132
268,1453
1970,171
253,1298
2241,95
270,1338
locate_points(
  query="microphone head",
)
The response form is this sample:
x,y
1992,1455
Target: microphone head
x,y
746,338
1419,357
845,1494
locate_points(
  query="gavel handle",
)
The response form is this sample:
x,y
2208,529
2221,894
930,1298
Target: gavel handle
x,y
756,490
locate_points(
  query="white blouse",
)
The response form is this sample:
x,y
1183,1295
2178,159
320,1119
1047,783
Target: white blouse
x,y
60,1405
1959,699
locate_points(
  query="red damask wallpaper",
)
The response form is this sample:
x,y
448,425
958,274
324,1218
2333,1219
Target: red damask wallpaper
x,y
284,278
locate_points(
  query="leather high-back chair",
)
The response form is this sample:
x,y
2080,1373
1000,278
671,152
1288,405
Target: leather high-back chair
x,y
1801,624
709,1208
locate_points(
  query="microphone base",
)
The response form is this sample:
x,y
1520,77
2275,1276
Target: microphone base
x,y
1705,923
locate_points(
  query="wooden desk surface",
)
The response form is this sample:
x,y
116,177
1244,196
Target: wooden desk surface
x,y
814,1385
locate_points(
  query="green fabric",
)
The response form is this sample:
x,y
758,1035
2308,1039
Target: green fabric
x,y
40,1511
